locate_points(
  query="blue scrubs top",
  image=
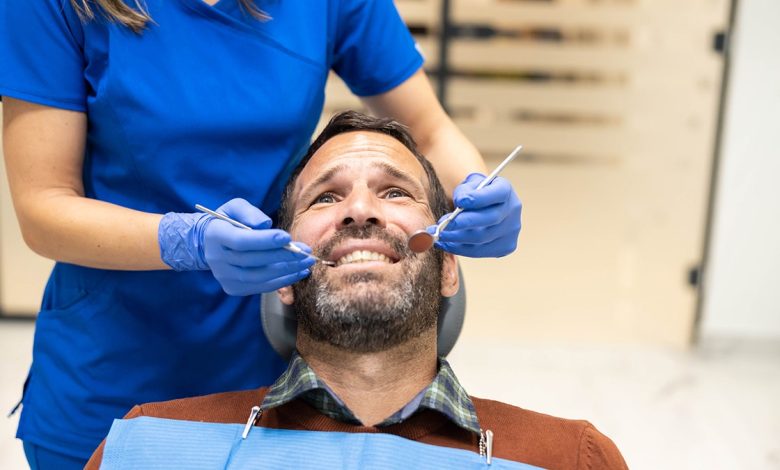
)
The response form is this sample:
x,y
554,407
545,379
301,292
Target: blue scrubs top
x,y
205,105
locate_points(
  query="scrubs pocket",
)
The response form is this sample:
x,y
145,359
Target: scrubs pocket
x,y
64,340
70,289
65,336
70,300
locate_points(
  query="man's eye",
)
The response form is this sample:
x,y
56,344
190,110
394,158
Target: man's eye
x,y
325,198
395,192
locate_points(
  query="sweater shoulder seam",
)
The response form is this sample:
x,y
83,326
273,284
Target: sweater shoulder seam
x,y
586,439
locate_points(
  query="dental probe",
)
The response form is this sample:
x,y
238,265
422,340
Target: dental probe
x,y
421,240
289,247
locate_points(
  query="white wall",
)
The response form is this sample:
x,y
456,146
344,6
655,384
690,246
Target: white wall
x,y
742,285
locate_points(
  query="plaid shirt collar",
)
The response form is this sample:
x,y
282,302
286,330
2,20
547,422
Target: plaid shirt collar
x,y
445,395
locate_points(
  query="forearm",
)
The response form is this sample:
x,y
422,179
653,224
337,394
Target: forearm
x,y
452,155
73,229
44,151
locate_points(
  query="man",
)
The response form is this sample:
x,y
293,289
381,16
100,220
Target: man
x,y
366,361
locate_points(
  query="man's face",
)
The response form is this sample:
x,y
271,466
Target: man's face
x,y
356,202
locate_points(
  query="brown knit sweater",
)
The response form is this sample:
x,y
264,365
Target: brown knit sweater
x,y
519,435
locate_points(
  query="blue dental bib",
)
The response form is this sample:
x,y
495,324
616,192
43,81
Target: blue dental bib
x,y
156,444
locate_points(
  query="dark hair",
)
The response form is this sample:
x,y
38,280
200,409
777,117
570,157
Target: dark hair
x,y
351,121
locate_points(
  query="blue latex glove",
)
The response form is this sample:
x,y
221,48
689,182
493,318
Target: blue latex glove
x,y
245,262
490,222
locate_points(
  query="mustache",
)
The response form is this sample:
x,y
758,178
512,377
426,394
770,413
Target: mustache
x,y
363,232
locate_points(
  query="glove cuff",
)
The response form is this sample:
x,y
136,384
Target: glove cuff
x,y
181,241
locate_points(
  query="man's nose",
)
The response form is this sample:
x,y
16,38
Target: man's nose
x,y
362,207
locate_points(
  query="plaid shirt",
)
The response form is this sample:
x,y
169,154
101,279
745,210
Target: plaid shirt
x,y
444,394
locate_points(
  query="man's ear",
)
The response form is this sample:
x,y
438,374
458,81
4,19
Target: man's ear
x,y
286,295
449,275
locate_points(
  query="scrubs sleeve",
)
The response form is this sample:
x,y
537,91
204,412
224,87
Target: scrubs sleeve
x,y
41,43
373,49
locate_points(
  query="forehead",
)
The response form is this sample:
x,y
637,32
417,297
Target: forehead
x,y
360,149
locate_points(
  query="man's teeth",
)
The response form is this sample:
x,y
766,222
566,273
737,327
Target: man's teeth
x,y
362,256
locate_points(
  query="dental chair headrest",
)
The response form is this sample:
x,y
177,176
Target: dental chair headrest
x,y
280,324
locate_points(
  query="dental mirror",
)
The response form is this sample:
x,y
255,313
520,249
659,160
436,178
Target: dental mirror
x,y
421,241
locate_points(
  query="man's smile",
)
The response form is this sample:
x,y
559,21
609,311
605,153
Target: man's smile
x,y
367,252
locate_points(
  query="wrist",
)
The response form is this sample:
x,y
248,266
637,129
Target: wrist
x,y
181,237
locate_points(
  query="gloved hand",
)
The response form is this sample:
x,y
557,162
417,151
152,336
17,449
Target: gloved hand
x,y
245,262
490,222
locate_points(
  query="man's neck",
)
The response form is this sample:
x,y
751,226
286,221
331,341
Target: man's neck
x,y
373,385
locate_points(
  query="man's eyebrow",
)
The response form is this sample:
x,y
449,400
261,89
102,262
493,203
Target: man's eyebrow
x,y
323,178
398,174
331,173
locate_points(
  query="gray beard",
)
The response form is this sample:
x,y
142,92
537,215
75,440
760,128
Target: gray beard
x,y
367,315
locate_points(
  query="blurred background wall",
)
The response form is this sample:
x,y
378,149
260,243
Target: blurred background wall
x,y
742,288
617,103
